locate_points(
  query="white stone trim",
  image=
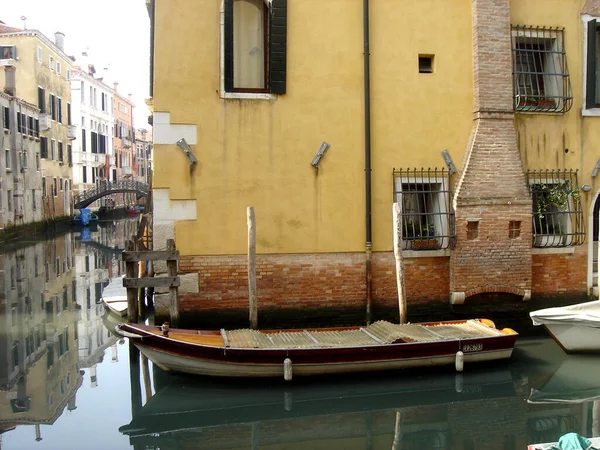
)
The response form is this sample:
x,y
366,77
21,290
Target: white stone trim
x,y
552,250
167,133
166,210
234,95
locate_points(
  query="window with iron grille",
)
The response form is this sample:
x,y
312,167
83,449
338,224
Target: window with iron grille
x,y
557,210
540,74
424,197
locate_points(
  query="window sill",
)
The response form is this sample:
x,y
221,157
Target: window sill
x,y
552,250
426,253
9,170
247,95
592,112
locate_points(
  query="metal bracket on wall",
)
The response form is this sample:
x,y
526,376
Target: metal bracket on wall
x,y
596,169
449,163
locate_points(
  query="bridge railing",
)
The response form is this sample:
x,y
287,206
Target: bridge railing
x,y
106,187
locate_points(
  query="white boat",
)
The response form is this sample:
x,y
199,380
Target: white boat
x,y
576,328
594,442
114,296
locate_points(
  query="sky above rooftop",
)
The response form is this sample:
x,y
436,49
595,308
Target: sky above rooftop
x,y
114,33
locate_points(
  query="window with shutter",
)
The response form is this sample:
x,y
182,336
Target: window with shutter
x,y
255,39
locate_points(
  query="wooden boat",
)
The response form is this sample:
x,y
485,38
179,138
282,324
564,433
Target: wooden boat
x,y
114,297
576,328
595,444
275,353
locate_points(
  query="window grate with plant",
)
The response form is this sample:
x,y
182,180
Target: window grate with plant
x,y
541,80
425,197
557,210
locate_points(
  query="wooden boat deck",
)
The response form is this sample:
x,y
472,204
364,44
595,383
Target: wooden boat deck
x,y
378,333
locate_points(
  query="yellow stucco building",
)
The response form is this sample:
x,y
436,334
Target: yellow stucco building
x,y
42,78
321,115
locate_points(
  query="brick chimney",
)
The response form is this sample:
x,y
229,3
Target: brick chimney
x,y
491,196
116,86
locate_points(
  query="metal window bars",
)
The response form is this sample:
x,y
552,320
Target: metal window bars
x,y
425,197
557,211
541,80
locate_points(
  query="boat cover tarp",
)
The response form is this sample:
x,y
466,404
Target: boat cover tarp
x,y
572,441
86,215
586,314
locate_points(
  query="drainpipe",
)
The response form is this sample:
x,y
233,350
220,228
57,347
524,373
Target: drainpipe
x,y
367,91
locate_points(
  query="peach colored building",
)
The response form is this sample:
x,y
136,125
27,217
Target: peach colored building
x,y
123,139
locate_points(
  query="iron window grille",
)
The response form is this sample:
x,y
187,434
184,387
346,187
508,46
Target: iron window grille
x,y
557,211
424,197
541,80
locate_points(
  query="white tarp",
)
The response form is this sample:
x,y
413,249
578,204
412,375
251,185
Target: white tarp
x,y
587,314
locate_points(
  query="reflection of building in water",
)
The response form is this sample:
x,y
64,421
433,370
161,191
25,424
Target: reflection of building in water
x,y
91,278
38,356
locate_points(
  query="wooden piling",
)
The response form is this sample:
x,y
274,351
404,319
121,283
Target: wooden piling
x,y
132,298
399,262
173,291
252,268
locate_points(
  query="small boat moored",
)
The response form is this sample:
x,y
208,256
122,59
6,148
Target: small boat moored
x,y
576,328
114,296
275,353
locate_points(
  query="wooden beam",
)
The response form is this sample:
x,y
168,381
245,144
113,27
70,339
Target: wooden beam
x,y
399,262
155,282
252,268
137,256
132,303
173,291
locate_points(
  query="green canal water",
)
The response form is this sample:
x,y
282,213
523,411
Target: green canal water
x,y
67,382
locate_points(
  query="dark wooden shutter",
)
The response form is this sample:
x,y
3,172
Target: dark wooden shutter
x,y
42,99
590,89
277,47
44,147
228,55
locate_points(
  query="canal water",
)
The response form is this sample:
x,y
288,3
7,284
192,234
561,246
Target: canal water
x,y
67,382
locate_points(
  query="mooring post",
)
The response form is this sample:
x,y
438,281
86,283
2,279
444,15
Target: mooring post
x,y
399,262
132,298
252,268
173,290
134,379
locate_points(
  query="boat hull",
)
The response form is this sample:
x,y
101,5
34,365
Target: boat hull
x,y
553,445
574,337
195,366
223,361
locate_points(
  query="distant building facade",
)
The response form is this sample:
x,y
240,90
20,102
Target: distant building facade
x,y
42,78
143,153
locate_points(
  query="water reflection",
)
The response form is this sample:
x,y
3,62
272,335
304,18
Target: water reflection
x,y
62,366
52,321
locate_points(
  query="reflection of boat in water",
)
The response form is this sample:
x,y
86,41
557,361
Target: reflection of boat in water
x,y
114,296
576,328
575,381
187,407
276,353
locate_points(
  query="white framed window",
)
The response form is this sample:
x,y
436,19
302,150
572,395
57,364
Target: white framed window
x,y
53,150
58,67
33,199
591,65
68,74
51,63
8,160
40,54
55,187
9,200
8,52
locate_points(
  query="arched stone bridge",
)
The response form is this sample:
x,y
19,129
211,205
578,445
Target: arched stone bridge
x,y
89,196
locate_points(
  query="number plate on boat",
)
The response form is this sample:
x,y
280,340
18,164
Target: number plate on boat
x,y
472,347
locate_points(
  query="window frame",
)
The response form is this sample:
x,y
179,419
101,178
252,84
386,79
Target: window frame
x,y
40,54
275,53
589,46
541,46
439,231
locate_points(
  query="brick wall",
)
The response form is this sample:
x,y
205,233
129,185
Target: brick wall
x,y
556,275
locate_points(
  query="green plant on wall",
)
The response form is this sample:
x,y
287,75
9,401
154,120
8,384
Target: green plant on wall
x,y
554,197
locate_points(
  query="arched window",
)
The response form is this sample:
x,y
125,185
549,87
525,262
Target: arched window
x,y
255,46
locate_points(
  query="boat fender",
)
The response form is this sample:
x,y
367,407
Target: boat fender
x,y
460,361
488,323
287,369
458,383
165,329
